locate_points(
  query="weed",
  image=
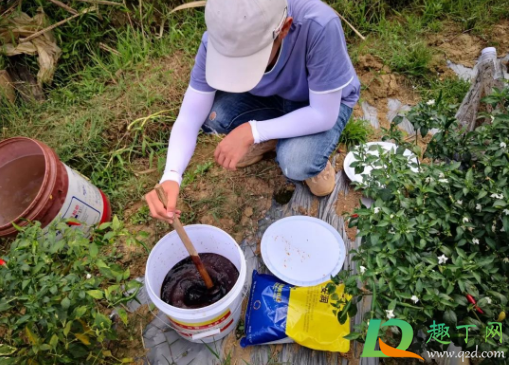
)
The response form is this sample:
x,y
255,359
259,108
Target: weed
x,y
356,132
190,176
453,90
411,59
142,216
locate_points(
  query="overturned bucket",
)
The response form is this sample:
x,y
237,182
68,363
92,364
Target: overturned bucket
x,y
210,323
36,186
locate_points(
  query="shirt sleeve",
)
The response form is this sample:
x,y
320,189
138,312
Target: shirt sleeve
x,y
320,116
328,64
198,78
193,113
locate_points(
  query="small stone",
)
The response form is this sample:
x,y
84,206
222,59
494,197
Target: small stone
x,y
248,212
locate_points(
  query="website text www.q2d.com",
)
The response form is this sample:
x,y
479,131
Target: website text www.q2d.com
x,y
438,332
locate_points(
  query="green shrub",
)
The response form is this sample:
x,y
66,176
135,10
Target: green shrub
x,y
436,236
56,292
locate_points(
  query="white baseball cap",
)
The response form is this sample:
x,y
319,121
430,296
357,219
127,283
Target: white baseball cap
x,y
240,38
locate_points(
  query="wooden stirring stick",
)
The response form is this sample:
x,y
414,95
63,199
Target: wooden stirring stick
x,y
161,194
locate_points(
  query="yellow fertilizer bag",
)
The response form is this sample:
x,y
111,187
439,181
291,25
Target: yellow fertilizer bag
x,y
311,323
279,313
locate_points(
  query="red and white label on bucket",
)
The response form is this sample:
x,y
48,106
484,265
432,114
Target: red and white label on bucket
x,y
83,202
220,324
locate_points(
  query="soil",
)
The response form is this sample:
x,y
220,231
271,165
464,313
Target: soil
x,y
380,85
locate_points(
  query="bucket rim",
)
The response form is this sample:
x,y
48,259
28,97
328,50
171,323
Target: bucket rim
x,y
199,313
47,184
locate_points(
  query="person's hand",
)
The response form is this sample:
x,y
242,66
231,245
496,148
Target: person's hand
x,y
234,146
157,209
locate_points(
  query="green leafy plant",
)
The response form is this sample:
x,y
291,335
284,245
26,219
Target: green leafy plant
x,y
57,289
356,132
434,242
201,169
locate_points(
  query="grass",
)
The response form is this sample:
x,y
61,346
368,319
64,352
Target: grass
x,y
356,132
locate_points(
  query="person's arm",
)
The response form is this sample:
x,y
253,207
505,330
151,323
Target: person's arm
x,y
193,113
320,116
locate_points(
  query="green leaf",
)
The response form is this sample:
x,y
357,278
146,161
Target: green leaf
x,y
4,305
65,303
127,274
96,294
418,286
123,315
115,224
461,284
397,120
94,250
80,311
67,328
392,305
450,317
54,341
502,298
101,321
6,350
352,336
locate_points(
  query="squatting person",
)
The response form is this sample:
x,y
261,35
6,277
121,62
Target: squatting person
x,y
269,74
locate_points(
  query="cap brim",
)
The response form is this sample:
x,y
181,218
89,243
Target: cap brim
x,y
235,74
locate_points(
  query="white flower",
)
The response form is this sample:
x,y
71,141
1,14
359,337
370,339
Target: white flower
x,y
430,102
497,196
506,260
475,241
363,269
502,229
392,231
429,179
390,313
465,220
89,276
460,202
506,211
488,300
377,210
478,207
391,216
441,175
414,298
442,259
443,181
503,145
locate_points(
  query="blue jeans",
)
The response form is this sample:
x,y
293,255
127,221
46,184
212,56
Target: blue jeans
x,y
300,158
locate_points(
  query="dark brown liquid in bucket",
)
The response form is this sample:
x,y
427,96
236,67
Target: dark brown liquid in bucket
x,y
20,181
183,286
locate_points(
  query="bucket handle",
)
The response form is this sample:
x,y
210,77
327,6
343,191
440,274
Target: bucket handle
x,y
201,335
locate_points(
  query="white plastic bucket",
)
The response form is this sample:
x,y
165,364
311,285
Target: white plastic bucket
x,y
215,321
